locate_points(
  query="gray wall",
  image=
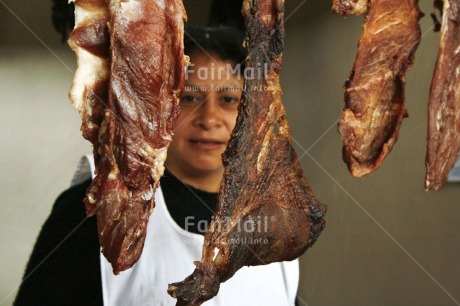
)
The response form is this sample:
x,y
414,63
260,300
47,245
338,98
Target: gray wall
x,y
387,241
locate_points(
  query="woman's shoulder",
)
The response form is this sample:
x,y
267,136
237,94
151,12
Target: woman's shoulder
x,y
64,265
70,201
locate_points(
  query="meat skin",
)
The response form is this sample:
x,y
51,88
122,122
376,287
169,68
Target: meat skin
x,y
263,183
444,101
374,97
136,108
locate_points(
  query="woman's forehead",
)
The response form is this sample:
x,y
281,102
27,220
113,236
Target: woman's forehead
x,y
208,68
204,57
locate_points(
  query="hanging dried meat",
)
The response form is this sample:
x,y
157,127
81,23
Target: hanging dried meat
x,y
128,107
444,101
374,97
262,177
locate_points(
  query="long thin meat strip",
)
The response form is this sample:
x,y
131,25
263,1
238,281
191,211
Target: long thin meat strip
x,y
263,179
146,79
444,101
374,98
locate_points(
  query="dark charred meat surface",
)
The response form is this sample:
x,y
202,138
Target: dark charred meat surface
x,y
131,126
347,7
374,97
263,179
444,101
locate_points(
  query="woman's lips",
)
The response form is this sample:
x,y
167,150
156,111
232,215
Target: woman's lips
x,y
207,144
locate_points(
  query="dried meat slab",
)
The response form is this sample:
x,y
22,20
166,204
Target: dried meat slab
x,y
374,97
444,101
135,109
263,179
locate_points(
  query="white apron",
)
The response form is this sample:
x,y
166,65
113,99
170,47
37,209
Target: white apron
x,y
168,256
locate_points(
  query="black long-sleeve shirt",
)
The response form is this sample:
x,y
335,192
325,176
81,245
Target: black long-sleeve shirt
x,y
64,268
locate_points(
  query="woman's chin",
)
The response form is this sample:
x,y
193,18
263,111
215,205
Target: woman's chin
x,y
209,167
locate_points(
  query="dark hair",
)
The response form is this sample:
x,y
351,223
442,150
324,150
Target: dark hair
x,y
63,17
226,42
227,13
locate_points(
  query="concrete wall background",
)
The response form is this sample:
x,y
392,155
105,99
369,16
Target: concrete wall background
x,y
387,241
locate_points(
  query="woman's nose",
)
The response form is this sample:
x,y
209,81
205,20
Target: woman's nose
x,y
208,114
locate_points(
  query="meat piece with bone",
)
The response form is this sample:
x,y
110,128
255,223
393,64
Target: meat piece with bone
x,y
263,179
131,126
374,97
444,101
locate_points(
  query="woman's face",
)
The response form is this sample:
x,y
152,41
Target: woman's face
x,y
209,105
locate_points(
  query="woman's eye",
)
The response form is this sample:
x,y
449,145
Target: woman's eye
x,y
188,98
229,99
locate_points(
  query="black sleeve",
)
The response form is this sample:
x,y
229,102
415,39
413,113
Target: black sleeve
x,y
64,267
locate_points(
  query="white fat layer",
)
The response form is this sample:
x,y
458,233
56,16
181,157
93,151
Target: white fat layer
x,y
445,19
361,6
158,165
127,11
446,5
438,119
216,251
157,157
264,150
90,69
371,81
387,25
91,198
148,195
112,176
161,3
457,50
113,4
130,10
272,86
81,14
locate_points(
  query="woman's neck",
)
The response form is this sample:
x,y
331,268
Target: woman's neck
x,y
208,181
